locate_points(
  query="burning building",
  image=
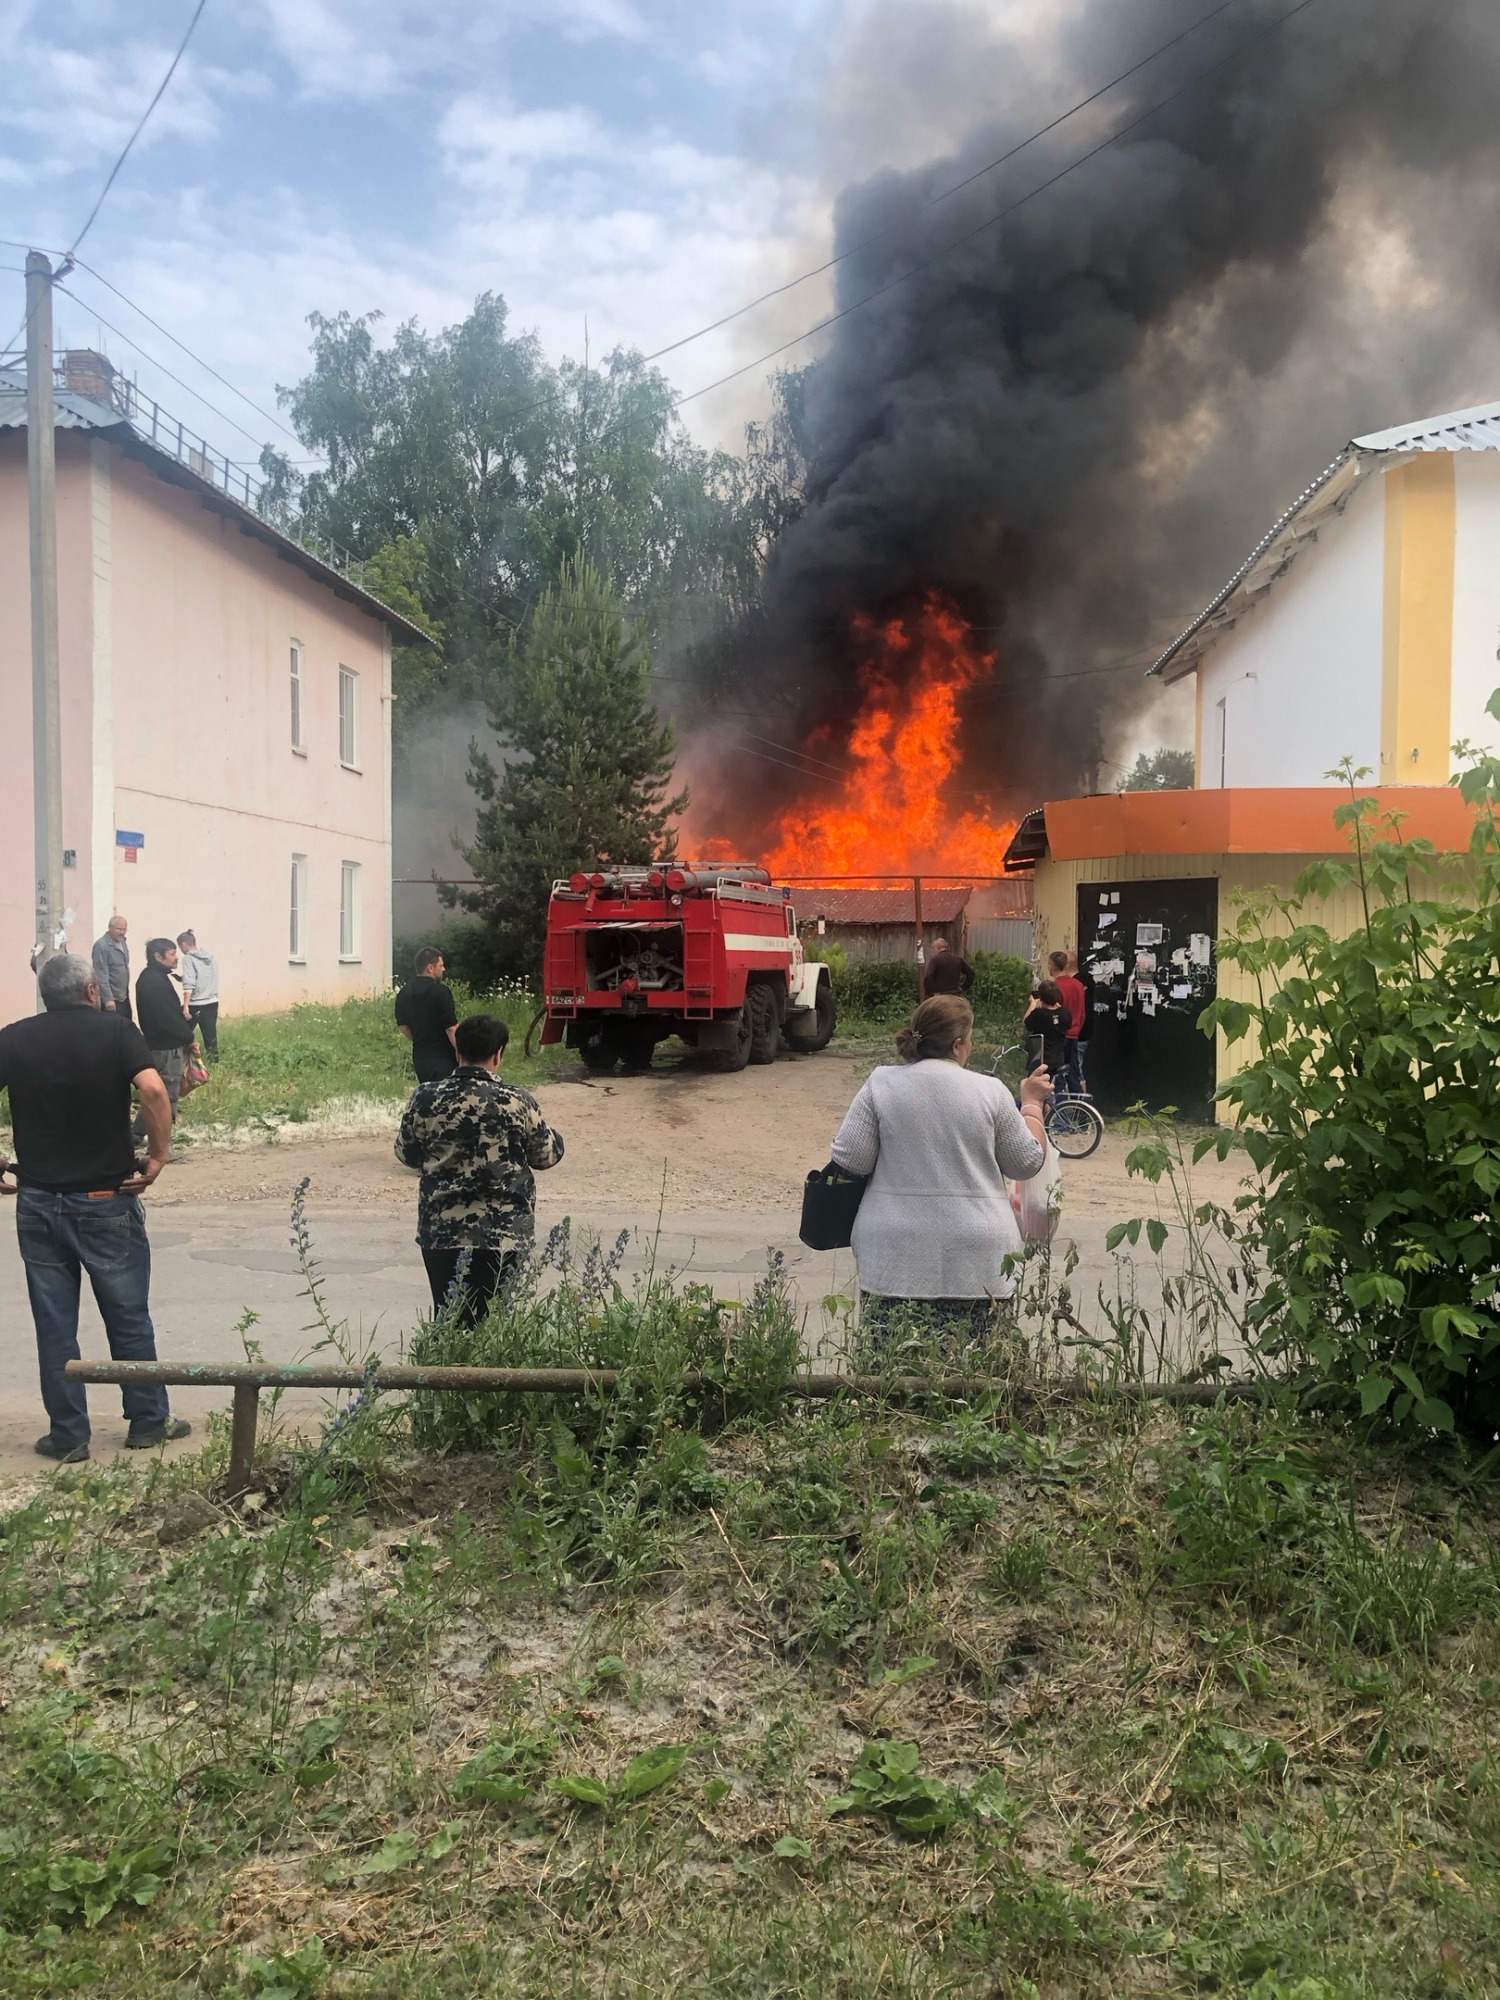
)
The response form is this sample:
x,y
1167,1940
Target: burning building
x,y
1066,382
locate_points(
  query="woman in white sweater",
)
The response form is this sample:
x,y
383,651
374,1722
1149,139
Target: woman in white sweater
x,y
936,1225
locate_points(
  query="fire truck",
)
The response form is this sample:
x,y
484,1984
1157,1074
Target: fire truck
x,y
705,951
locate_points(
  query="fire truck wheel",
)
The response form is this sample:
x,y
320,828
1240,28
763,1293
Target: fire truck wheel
x,y
600,1052
739,1055
826,1018
765,1029
637,1047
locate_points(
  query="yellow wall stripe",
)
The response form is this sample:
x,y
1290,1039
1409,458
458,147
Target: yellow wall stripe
x,y
1416,690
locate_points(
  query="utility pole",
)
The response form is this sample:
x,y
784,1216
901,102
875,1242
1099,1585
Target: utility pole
x,y
46,692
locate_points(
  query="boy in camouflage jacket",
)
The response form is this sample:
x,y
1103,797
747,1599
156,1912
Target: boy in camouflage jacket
x,y
476,1141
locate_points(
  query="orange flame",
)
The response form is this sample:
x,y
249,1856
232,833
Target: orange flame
x,y
892,815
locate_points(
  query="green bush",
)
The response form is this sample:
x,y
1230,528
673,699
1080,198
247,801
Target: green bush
x,y
883,992
1371,1109
1002,992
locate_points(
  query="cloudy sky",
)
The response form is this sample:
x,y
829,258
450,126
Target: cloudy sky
x,y
641,165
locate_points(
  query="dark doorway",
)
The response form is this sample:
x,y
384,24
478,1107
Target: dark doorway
x,y
1149,949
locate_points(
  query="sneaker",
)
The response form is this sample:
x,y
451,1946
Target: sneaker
x,y
174,1427
65,1454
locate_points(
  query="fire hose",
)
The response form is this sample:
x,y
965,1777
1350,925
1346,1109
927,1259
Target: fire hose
x,y
537,1018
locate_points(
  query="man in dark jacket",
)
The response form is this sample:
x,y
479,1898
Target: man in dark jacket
x,y
477,1141
427,1016
69,1073
162,1017
946,971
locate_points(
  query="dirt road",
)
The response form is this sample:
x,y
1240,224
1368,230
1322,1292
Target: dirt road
x,y
706,1170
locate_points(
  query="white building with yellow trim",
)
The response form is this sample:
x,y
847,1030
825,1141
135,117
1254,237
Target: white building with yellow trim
x,y
1365,623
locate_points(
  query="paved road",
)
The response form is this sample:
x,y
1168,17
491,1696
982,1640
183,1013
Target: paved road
x,y
212,1264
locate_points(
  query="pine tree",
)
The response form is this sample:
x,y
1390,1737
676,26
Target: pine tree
x,y
589,768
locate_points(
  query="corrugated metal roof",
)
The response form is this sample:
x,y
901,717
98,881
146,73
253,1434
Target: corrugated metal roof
x,y
1461,430
879,906
73,412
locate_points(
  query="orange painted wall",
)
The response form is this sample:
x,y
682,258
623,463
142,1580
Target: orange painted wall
x,y
1250,820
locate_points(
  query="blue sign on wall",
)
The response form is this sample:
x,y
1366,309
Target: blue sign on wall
x,y
129,839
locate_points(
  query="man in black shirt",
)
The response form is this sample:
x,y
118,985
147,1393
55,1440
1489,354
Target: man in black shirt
x,y
159,1010
69,1073
426,1015
946,971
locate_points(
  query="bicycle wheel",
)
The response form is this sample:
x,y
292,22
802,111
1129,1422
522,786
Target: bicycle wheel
x,y
1074,1127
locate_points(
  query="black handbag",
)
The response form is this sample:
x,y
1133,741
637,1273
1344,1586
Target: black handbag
x,y
830,1202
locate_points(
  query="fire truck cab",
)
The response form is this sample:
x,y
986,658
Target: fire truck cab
x,y
705,951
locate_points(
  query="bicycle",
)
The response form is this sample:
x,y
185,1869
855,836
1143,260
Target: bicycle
x,y
1071,1122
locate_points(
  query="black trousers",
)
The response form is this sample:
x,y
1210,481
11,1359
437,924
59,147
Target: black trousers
x,y
432,1064
488,1270
206,1019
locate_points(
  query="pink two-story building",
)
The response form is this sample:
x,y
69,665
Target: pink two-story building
x,y
226,718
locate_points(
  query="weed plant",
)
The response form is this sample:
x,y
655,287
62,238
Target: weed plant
x,y
1177,1704
694,1686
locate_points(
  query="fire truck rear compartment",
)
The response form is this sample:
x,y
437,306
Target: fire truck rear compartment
x,y
638,957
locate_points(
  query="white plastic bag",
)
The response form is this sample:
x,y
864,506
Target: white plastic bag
x,y
1038,1202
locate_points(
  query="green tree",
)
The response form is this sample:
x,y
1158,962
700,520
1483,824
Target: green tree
x,y
1161,771
501,468
398,575
589,765
1371,1110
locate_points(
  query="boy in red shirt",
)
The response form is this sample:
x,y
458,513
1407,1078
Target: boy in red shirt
x,y
1076,1001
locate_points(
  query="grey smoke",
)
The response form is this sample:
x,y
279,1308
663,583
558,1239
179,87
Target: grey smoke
x,y
1076,423
432,812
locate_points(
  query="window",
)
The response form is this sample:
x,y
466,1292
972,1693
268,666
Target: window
x,y
298,931
296,683
349,717
349,912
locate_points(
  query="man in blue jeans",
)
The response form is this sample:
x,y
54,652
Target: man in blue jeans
x,y
69,1073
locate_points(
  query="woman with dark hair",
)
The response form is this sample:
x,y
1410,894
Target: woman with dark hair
x,y
935,1226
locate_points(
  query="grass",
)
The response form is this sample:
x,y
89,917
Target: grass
x,y
335,1064
718,1694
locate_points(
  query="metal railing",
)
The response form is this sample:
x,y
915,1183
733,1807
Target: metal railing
x,y
248,1378
157,426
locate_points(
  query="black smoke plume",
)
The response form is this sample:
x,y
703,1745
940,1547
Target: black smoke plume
x,y
1076,422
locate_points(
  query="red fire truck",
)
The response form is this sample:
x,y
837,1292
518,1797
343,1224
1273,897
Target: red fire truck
x,y
705,951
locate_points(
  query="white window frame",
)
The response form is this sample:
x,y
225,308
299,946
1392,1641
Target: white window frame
x,y
298,693
349,913
297,912
349,718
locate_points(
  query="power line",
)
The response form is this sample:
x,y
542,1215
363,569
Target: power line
x,y
207,368
141,126
933,201
968,236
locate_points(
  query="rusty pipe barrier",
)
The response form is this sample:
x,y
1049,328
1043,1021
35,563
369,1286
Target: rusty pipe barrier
x,y
248,1378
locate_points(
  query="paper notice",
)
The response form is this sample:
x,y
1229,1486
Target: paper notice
x,y
1106,918
1149,934
1201,948
1148,1002
1182,991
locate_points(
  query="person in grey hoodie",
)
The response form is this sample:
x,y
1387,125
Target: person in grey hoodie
x,y
199,971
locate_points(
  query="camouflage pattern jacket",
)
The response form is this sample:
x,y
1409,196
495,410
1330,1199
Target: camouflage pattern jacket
x,y
476,1141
